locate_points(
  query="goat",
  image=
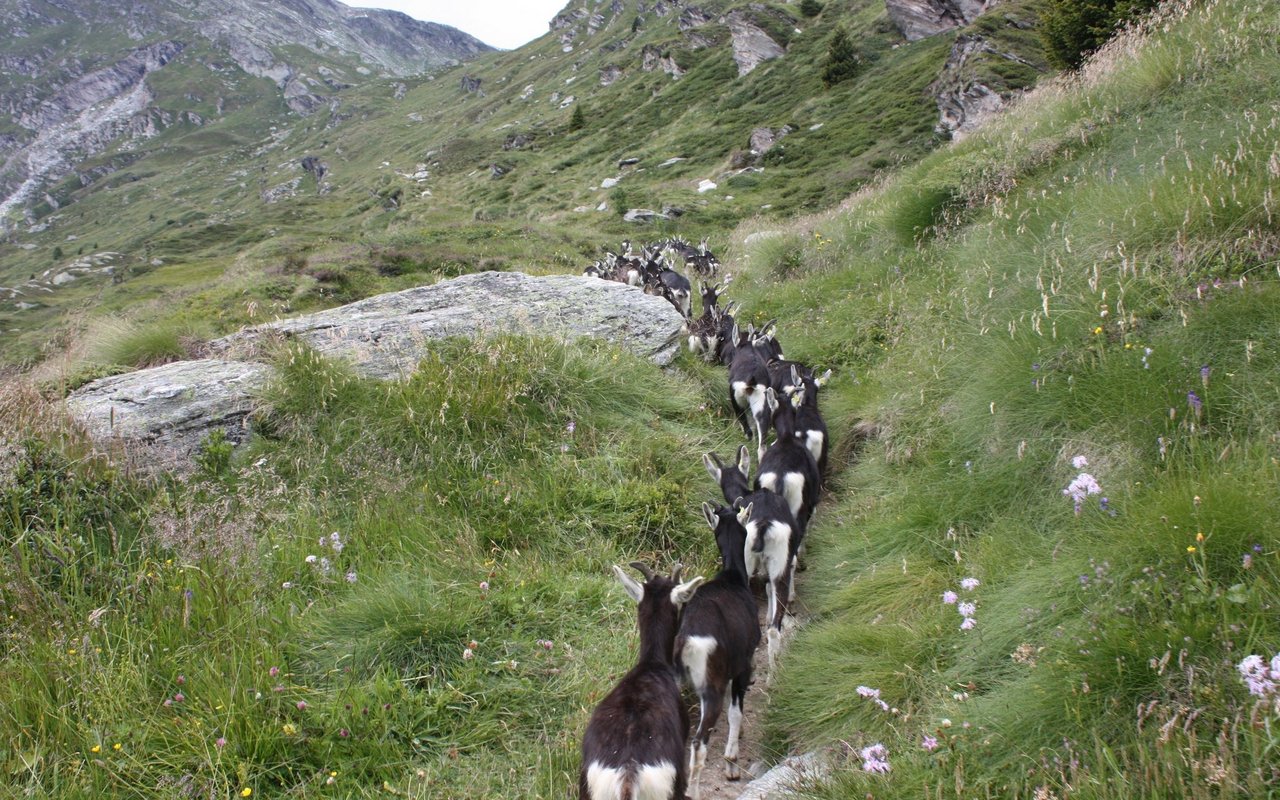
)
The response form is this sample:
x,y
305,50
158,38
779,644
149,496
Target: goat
x,y
719,633
633,748
749,378
787,376
704,331
788,468
773,539
676,288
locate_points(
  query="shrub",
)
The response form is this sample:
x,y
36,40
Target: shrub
x,y
810,8
1072,29
842,61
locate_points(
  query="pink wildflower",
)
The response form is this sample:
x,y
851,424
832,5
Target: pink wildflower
x,y
875,758
928,743
949,597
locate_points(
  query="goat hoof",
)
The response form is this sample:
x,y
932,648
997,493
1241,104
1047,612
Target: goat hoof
x,y
731,772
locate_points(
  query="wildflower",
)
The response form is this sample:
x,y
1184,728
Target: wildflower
x,y
468,654
220,742
311,559
1080,488
179,697
875,758
181,679
277,688
484,586
967,609
289,729
946,723
1146,353
287,585
1097,330
545,644
1246,561
117,746
969,584
928,743
949,597
1258,675
246,791
872,695
274,671
325,566
302,705
1257,548
968,624
1079,462
343,732
351,576
1197,405
1204,375
1164,447
1191,548
1199,536
97,748
571,427
335,541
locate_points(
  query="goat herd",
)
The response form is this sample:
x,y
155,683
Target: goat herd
x,y
705,633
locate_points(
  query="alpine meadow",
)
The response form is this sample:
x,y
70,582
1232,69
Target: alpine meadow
x,y
1034,534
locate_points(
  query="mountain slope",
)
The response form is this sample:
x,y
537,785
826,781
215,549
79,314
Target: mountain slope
x,y
423,171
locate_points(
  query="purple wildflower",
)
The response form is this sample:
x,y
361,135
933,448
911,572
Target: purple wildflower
x,y
351,576
220,742
875,758
1258,676
274,671
1204,375
179,697
302,705
1079,462
1080,488
969,584
967,609
1246,560
928,743
571,427
968,624
1197,405
949,597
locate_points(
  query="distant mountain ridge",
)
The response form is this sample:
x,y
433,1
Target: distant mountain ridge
x,y
73,74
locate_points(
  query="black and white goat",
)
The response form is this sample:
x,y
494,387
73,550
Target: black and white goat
x,y
719,633
786,377
749,378
773,539
633,748
788,468
703,331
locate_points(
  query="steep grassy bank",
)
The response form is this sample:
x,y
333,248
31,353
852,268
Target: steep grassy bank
x,y
1093,276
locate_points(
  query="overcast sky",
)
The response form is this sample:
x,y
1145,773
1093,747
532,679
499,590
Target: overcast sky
x,y
501,23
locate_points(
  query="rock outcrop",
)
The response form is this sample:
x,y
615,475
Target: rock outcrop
x,y
752,46
384,336
917,19
966,100
165,412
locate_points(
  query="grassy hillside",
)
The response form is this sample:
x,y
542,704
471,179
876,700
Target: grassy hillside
x,y
218,225
1093,276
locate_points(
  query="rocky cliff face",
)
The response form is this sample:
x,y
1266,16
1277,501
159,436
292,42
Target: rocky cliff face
x,y
74,73
920,18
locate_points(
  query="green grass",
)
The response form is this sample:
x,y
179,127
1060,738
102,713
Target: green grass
x,y
1052,287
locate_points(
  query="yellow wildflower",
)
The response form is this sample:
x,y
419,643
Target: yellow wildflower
x,y
97,748
1199,536
116,746
289,729
1191,548
1097,330
246,791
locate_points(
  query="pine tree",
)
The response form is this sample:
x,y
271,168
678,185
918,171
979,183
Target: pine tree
x,y
810,8
1072,29
842,60
577,121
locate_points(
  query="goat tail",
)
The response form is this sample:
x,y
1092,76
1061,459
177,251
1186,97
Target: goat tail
x,y
627,789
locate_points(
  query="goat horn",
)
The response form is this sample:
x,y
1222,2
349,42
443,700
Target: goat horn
x,y
675,572
643,569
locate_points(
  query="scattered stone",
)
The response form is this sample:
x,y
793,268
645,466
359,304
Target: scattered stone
x,y
787,778
609,183
609,74
706,185
627,162
642,215
752,46
674,160
470,84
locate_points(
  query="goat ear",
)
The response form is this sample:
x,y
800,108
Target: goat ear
x,y
710,513
713,466
744,514
771,397
633,587
795,376
822,379
684,592
744,461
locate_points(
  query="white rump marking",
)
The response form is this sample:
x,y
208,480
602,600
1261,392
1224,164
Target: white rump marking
x,y
793,490
695,654
655,781
604,783
813,440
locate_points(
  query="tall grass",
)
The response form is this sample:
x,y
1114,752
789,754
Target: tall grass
x,y
1092,275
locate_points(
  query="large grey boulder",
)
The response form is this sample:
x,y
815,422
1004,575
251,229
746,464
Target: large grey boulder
x,y
965,100
920,18
385,336
163,413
